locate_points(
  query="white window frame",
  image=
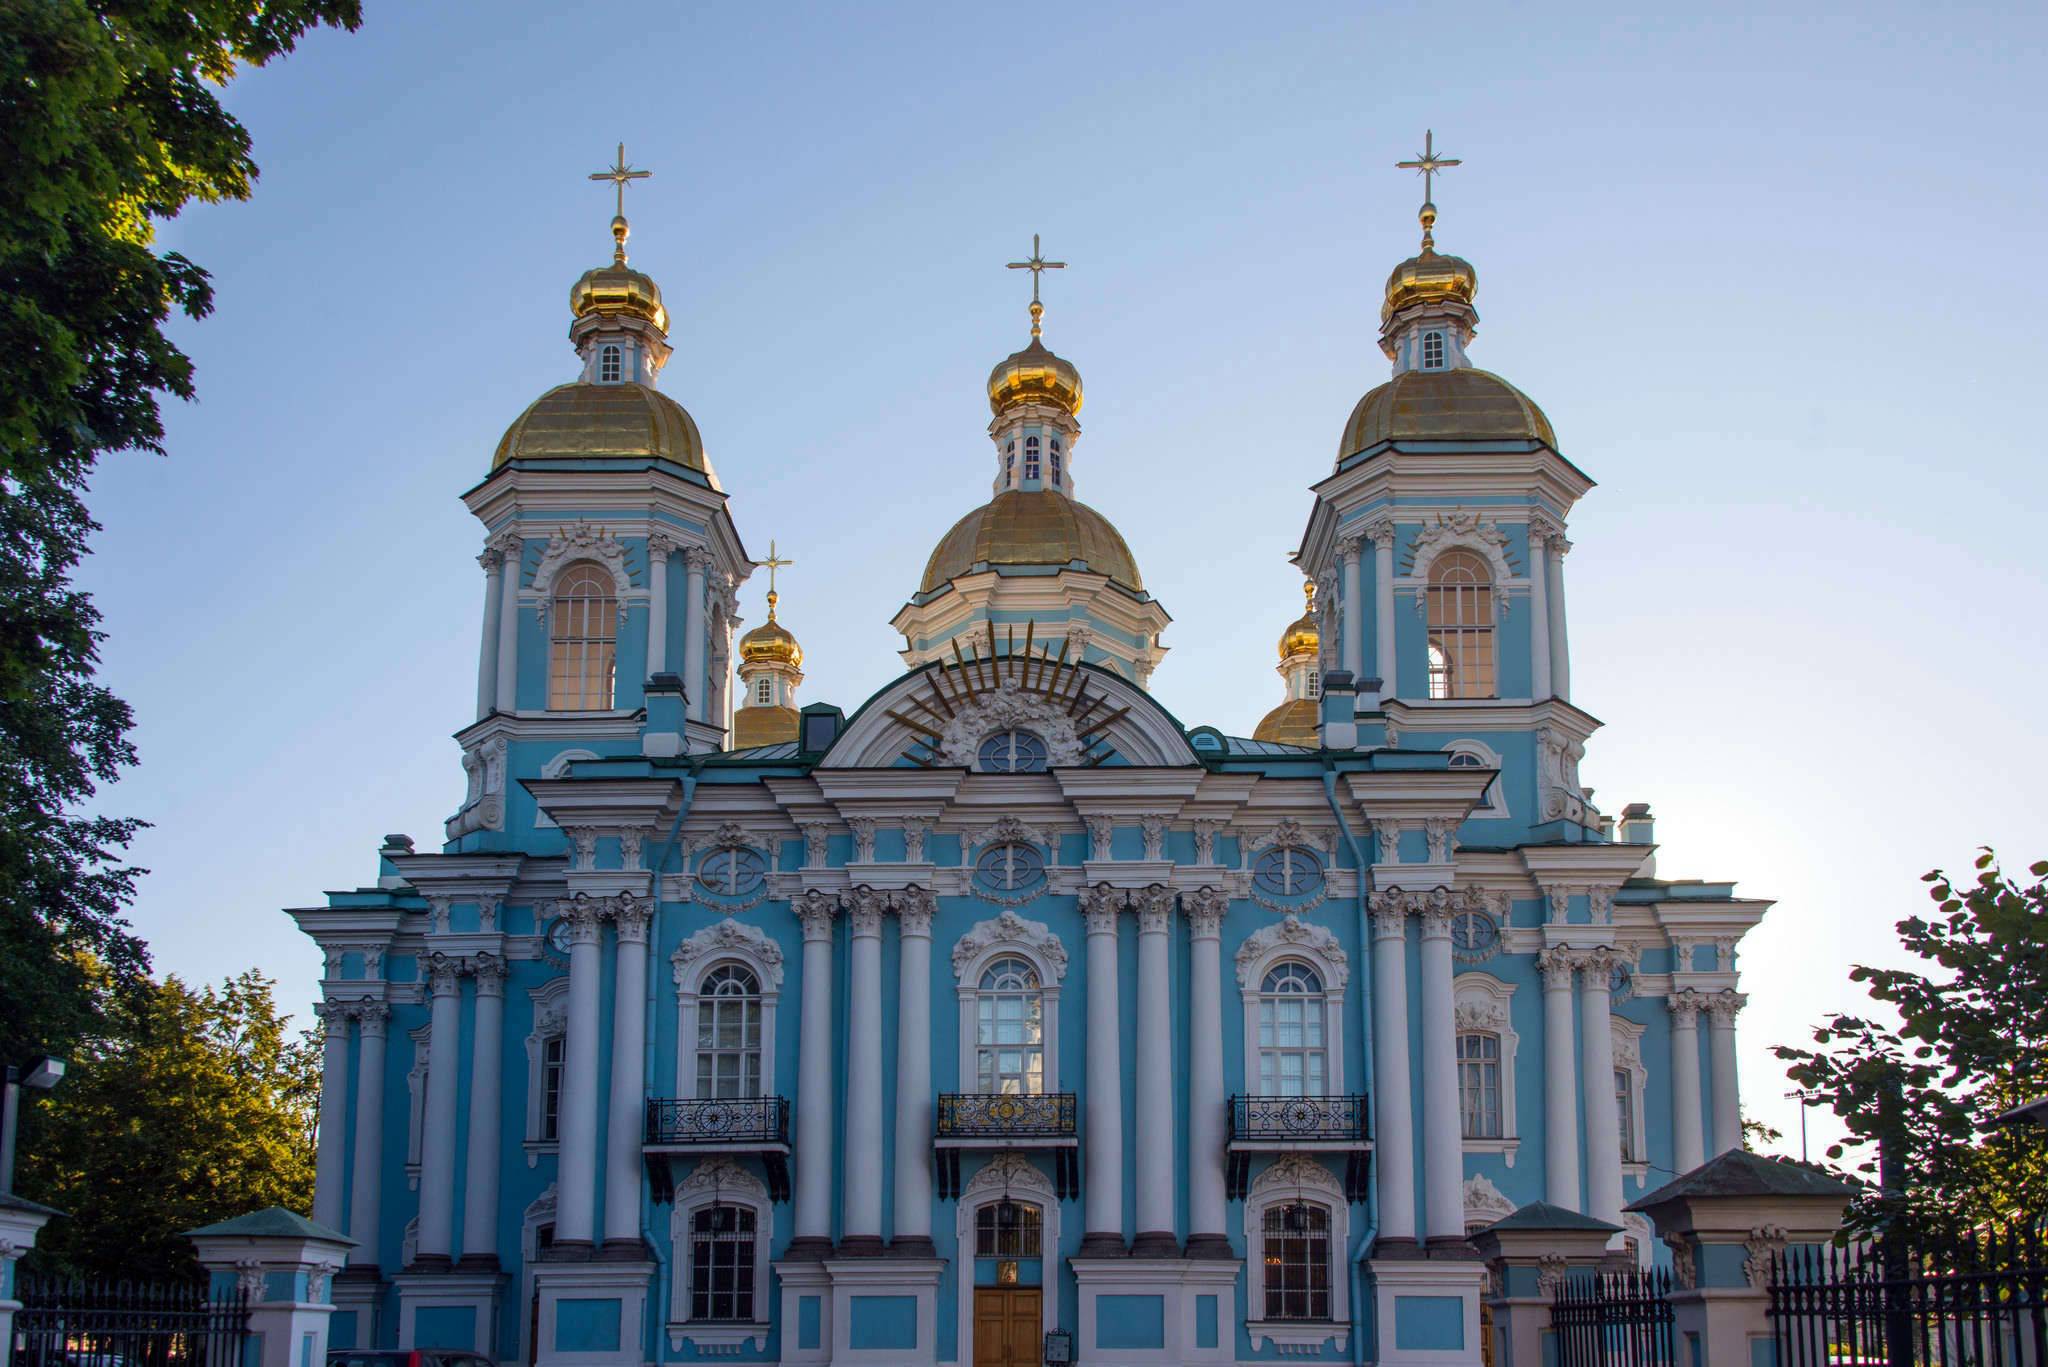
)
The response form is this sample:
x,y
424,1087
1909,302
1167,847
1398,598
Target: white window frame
x,y
1443,349
1628,1058
1291,1179
416,1084
1011,1176
1483,1004
1001,937
1494,802
724,942
1304,942
611,364
719,1180
550,1020
1292,964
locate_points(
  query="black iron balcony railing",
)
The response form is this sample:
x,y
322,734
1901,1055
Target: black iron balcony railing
x,y
725,1121
1268,1123
1002,1115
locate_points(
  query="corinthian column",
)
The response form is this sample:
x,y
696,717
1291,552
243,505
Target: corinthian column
x,y
330,1164
1103,1236
1381,530
861,1221
480,1169
1208,1232
513,549
912,1235
576,1194
1155,1237
1560,644
1442,1130
487,654
1721,1048
1560,1082
1354,606
372,1020
814,1116
696,631
622,1237
1541,529
1395,1141
1603,1116
437,1132
659,549
1686,1150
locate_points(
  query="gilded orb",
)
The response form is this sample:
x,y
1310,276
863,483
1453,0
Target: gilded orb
x,y
1034,375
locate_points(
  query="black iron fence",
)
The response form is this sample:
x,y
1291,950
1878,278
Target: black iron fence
x,y
127,1324
1979,1299
1003,1115
1614,1319
723,1121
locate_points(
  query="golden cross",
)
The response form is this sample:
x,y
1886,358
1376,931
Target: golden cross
x,y
618,174
773,563
1037,265
1428,164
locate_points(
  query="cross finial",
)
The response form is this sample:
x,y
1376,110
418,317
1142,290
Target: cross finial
x,y
1037,265
618,173
1427,165
773,563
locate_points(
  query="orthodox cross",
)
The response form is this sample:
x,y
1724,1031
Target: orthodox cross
x,y
1037,265
773,563
618,174
1428,164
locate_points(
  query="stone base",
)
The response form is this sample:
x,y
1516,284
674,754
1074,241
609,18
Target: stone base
x,y
1431,1305
461,1309
1148,1312
592,1313
1101,1245
358,1303
850,1311
1210,1246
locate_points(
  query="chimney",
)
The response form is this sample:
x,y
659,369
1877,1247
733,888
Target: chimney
x,y
662,737
1638,827
1340,711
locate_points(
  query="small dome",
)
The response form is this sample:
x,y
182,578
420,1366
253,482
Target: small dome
x,y
618,291
1034,375
1445,405
1295,722
583,420
1031,527
1303,636
752,726
771,643
1429,278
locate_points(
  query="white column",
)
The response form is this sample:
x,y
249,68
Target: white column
x,y
1103,1180
1560,644
1560,1082
1381,530
1155,1236
912,1232
1443,1140
1687,1150
487,653
659,548
1394,1136
814,1110
694,683
330,1170
861,1216
1208,1229
628,1094
512,549
1539,611
372,1021
576,1188
1354,607
1721,1050
437,1132
486,1132
1603,1116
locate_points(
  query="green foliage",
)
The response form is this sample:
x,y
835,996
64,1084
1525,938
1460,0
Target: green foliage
x,y
1972,1043
109,120
199,1106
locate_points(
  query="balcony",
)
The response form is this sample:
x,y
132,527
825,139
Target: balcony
x,y
1312,1124
756,1125
1004,1120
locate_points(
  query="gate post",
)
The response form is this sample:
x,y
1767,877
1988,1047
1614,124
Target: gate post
x,y
1723,1221
286,1264
20,1222
1528,1255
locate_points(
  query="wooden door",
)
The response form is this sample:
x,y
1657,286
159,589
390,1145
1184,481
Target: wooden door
x,y
1008,1327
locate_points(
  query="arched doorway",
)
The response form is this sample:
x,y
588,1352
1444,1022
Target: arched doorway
x,y
1009,1245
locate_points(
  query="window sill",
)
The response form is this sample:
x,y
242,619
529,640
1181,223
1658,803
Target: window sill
x,y
536,1147
1506,1147
1298,1338
715,1338
1633,1168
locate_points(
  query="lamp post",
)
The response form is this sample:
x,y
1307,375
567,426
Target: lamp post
x,y
40,1073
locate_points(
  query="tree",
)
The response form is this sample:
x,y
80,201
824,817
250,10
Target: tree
x,y
199,1107
110,120
1972,1042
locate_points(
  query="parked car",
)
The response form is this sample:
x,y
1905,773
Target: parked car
x,y
407,1357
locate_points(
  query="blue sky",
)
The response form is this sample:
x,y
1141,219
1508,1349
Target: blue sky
x,y
1774,278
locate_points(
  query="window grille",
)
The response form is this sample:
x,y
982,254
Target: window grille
x,y
1460,627
583,651
1009,868
1009,1041
1313,689
1432,351
1288,871
551,1087
610,365
729,1034
764,692
733,871
1297,1256
1479,1085
1293,1059
722,1263
1013,752
1625,1111
1031,458
1008,1229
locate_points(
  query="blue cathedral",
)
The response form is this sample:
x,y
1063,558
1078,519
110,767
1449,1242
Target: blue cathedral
x,y
1003,1018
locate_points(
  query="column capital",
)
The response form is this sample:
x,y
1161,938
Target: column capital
x,y
371,1017
1386,832
864,908
444,974
506,545
1154,830
1154,906
632,915
1436,922
815,910
491,558
1100,828
1543,528
914,907
1100,908
333,1013
697,558
584,915
1598,965
1557,967
1686,1004
1349,545
1441,832
660,546
1379,528
1725,1006
489,971
1205,908
1389,917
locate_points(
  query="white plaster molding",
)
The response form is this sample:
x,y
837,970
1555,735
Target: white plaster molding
x,y
1484,1004
1291,1179
1012,1175
1485,1202
1296,936
719,1180
572,545
1034,939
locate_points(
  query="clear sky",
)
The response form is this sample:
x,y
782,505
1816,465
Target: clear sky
x,y
1775,278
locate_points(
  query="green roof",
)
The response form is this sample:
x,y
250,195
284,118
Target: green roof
x,y
274,1223
1739,1172
1543,1215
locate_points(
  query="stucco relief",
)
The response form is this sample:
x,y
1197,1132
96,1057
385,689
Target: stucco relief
x,y
1009,928
1293,932
1001,709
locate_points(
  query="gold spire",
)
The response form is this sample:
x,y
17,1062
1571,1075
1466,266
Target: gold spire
x,y
616,290
773,563
1038,266
771,642
1034,375
1427,166
1427,277
618,173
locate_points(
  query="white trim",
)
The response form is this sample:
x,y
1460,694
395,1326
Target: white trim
x,y
720,943
555,768
987,941
1483,1004
540,1211
1313,945
416,1083
1495,797
1290,1178
716,1180
1485,1202
1628,1058
550,1018
1015,1174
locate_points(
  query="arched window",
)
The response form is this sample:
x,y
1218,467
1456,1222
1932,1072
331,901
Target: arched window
x,y
1010,464
611,366
1625,1112
764,692
722,1263
1313,687
1013,752
1432,351
1008,1229
583,651
1031,458
1479,1085
1009,1030
1460,626
1293,1055
1297,1262
729,1034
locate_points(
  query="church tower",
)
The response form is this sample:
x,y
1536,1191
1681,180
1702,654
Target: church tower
x,y
770,668
1296,721
1034,553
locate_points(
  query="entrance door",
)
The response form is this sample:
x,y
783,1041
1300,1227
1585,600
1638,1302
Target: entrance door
x,y
1009,1330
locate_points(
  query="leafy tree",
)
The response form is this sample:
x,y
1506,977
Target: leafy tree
x,y
199,1106
110,120
1972,1042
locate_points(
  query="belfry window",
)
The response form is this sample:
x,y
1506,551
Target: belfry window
x,y
1460,627
764,692
611,366
1297,1262
1010,464
729,1035
1058,466
1031,458
551,1087
1293,1058
1479,1085
1009,1029
722,1263
1432,351
583,645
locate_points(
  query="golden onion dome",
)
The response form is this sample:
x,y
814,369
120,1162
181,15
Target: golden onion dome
x,y
1031,527
583,420
1034,375
1303,636
771,643
1297,721
752,726
1429,278
1445,405
617,290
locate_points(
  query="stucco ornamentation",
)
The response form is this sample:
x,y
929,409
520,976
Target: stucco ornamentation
x,y
1154,829
863,828
1763,1241
1387,834
1100,829
1462,531
1008,1171
1293,1172
729,937
914,832
571,545
721,1174
914,907
1205,909
1683,1270
1154,906
815,835
1550,1274
249,1277
1291,834
864,907
1101,906
1726,1005
1485,1202
815,910
1557,967
1035,937
1205,841
1008,830
1300,934
1440,831
1686,1004
1004,708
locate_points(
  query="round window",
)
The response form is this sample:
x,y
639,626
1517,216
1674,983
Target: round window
x,y
1013,752
1621,982
1009,869
1474,935
735,871
1288,871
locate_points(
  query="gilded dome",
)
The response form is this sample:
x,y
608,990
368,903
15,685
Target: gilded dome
x,y
617,290
1445,405
1034,375
752,726
584,420
1429,278
1303,636
771,643
1031,527
1295,722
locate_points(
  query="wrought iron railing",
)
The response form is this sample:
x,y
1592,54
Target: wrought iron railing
x,y
1297,1118
718,1120
1004,1115
1614,1319
128,1324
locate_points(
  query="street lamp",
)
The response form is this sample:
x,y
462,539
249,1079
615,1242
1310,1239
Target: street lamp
x,y
40,1073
